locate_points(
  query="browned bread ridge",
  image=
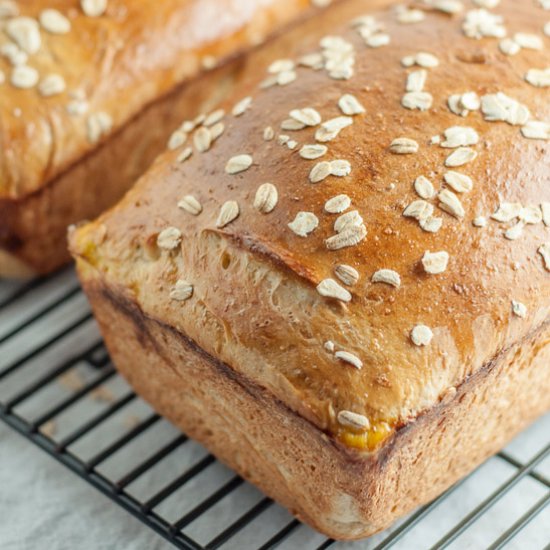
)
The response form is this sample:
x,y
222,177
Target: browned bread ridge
x,y
346,296
87,100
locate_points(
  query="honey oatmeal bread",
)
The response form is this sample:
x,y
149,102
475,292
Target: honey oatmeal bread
x,y
346,295
88,93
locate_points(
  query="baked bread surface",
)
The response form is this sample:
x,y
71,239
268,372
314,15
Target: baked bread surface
x,y
254,303
91,80
217,320
339,491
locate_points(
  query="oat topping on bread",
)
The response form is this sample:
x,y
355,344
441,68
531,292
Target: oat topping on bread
x,y
417,179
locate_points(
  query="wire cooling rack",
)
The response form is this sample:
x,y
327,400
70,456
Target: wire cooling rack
x,y
59,389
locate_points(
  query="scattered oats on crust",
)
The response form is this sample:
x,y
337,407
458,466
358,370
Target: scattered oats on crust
x,y
304,223
387,276
531,215
331,128
98,125
266,198
337,204
435,262
461,183
280,65
377,40
191,205
481,23
451,7
53,84
329,346
228,213
416,80
462,104
185,154
451,204
536,129
424,187
238,163
480,221
313,151
519,309
306,116
529,41
347,274
403,146
419,210
24,77
544,251
169,238
292,125
181,291
508,46
93,8
460,157
353,420
25,32
347,220
507,211
458,136
216,131
347,237
202,139
340,168
500,107
242,106
407,16
329,288
514,232
177,139
350,358
214,117
320,171
488,4
431,224
421,101
286,77
54,22
349,105
422,59
421,335
538,77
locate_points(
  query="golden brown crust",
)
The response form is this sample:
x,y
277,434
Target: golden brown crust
x,y
254,304
51,173
133,54
341,493
34,227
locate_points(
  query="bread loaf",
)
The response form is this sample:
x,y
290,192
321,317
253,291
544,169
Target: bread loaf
x,y
88,91
346,295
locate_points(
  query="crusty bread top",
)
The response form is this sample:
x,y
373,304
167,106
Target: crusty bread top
x,y
226,268
68,80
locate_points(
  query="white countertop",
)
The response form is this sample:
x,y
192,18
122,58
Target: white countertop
x,y
45,506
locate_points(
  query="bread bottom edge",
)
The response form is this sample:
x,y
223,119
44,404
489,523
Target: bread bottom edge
x,y
344,494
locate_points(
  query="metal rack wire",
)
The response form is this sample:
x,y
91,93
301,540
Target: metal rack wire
x,y
53,366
